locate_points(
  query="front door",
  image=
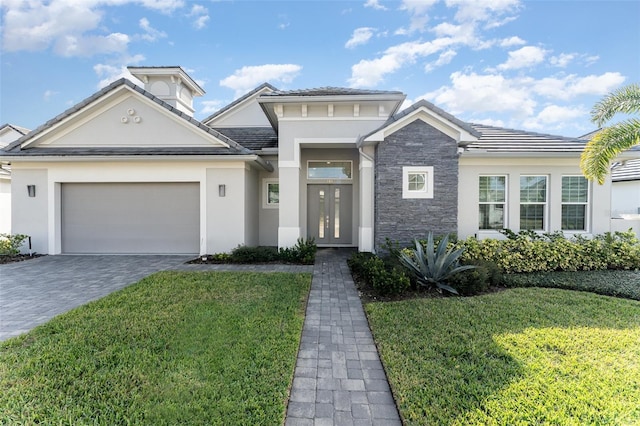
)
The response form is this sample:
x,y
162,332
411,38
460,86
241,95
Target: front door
x,y
329,214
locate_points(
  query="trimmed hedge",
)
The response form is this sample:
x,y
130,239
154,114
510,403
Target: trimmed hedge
x,y
528,252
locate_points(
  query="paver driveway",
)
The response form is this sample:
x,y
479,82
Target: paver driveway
x,y
34,291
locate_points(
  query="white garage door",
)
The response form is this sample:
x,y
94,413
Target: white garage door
x,y
127,218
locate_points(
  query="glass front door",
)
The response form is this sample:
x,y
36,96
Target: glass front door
x,y
329,214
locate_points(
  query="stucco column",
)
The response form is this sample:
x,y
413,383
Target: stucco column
x,y
289,210
366,229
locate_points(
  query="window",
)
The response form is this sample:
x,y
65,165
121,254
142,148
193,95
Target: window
x,y
329,169
575,198
417,182
271,193
533,202
492,202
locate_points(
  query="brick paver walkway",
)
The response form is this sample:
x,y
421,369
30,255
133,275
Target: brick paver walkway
x,y
339,379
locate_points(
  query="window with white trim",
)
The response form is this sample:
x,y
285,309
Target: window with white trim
x,y
533,203
329,169
492,202
575,200
417,182
270,193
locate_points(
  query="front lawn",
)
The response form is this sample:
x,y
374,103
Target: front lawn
x,y
521,356
176,348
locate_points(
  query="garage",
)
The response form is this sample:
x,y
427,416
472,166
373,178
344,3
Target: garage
x,y
130,218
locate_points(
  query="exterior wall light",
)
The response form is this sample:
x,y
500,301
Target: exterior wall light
x,y
31,190
222,190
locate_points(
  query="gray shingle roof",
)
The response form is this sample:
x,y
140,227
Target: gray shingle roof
x,y
137,151
21,130
626,171
330,91
238,101
253,138
14,147
501,140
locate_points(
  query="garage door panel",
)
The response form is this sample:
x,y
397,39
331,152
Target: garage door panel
x,y
130,217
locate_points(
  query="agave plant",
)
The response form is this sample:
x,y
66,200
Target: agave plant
x,y
433,267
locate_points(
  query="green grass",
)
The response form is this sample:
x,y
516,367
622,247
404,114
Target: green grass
x,y
517,357
176,348
611,283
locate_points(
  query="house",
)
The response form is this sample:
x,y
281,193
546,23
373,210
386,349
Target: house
x,y
8,134
625,196
129,170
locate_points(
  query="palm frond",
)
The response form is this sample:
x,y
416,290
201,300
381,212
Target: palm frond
x,y
606,145
625,100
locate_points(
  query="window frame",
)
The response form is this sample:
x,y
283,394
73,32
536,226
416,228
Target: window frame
x,y
505,203
265,193
586,204
425,193
545,204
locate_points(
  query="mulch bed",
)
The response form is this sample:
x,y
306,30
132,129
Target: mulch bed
x,y
17,258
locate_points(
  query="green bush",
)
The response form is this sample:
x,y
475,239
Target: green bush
x,y
303,252
381,275
470,281
530,252
10,244
248,254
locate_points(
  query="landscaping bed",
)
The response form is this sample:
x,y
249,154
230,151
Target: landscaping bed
x,y
175,348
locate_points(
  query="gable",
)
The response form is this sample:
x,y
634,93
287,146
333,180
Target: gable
x,y
243,112
123,118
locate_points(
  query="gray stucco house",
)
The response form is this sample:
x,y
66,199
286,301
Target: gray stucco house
x,y
129,170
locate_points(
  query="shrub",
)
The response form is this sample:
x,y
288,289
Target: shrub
x,y
383,280
357,263
527,251
10,244
433,267
247,254
471,281
303,252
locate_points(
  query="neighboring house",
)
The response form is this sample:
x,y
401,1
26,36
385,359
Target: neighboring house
x,y
625,196
8,134
129,170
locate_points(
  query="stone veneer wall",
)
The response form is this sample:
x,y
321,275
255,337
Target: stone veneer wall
x,y
402,220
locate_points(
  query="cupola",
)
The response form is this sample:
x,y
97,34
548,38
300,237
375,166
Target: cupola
x,y
171,84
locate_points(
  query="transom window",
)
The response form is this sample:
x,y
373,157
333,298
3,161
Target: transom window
x,y
492,202
575,198
417,182
329,169
533,202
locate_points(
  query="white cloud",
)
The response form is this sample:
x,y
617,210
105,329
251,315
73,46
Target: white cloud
x,y
419,17
553,115
374,4
524,57
151,34
476,93
48,94
249,77
72,28
201,15
488,122
444,59
360,36
489,11
570,86
562,60
109,73
512,41
209,107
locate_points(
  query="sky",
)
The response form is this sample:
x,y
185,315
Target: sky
x,y
531,65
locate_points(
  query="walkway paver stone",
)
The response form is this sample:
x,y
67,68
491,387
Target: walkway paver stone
x,y
339,379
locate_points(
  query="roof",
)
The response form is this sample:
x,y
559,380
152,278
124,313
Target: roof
x,y
426,104
502,140
626,171
239,101
143,72
14,148
21,130
331,91
590,135
253,138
